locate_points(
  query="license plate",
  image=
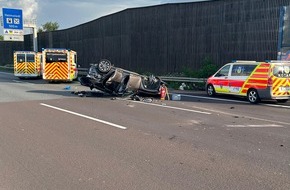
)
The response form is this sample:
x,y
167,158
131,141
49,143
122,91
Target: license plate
x,y
284,88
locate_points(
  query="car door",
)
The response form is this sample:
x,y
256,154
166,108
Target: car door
x,y
221,81
238,75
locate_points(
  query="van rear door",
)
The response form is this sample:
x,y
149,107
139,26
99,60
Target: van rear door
x,y
281,79
56,66
25,64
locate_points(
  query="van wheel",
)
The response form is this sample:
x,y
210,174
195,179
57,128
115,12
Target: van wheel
x,y
253,96
210,90
282,101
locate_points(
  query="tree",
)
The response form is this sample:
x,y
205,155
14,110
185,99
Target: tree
x,y
49,26
1,38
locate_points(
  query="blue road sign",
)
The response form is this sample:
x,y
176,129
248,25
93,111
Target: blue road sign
x,y
12,19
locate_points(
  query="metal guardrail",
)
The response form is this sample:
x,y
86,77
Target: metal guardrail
x,y
83,71
10,69
183,79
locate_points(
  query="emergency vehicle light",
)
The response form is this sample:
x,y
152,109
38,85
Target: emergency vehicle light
x,y
244,61
277,61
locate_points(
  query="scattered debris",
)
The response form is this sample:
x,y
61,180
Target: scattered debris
x,y
176,97
172,137
138,98
66,88
182,86
88,93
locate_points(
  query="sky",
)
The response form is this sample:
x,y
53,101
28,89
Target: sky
x,y
70,13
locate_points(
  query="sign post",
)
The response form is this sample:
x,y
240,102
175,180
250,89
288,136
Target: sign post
x,y
12,24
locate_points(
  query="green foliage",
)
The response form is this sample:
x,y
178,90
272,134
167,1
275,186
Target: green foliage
x,y
188,72
208,68
173,84
1,38
49,26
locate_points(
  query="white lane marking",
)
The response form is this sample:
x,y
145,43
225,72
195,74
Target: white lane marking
x,y
85,116
254,126
243,116
171,107
279,106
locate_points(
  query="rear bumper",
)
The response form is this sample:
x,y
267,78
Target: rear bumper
x,y
268,94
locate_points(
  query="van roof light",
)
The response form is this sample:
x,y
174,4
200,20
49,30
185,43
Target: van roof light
x,y
244,61
278,61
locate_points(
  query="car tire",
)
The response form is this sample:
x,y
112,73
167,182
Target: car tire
x,y
210,90
253,96
282,100
104,66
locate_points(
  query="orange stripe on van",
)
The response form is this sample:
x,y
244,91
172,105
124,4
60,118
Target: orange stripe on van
x,y
258,79
260,75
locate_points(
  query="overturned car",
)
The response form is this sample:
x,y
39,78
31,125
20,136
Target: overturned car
x,y
105,77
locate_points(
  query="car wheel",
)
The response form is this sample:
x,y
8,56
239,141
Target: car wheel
x,y
253,96
104,66
282,101
210,90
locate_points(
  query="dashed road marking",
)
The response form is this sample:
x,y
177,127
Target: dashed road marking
x,y
172,107
256,126
85,116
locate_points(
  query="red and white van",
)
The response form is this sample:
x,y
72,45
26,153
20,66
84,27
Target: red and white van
x,y
254,80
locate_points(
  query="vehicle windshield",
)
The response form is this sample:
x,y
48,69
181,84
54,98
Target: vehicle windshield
x,y
56,57
281,71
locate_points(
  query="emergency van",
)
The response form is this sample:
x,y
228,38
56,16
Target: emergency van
x,y
27,64
59,64
254,80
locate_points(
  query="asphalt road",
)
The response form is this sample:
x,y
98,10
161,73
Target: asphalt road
x,y
51,138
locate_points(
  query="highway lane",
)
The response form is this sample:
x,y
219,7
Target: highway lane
x,y
51,139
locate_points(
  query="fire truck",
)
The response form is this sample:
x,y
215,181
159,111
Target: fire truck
x,y
27,64
59,64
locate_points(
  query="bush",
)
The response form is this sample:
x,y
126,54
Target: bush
x,y
208,68
187,72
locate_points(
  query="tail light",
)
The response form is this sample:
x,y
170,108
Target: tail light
x,y
270,82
